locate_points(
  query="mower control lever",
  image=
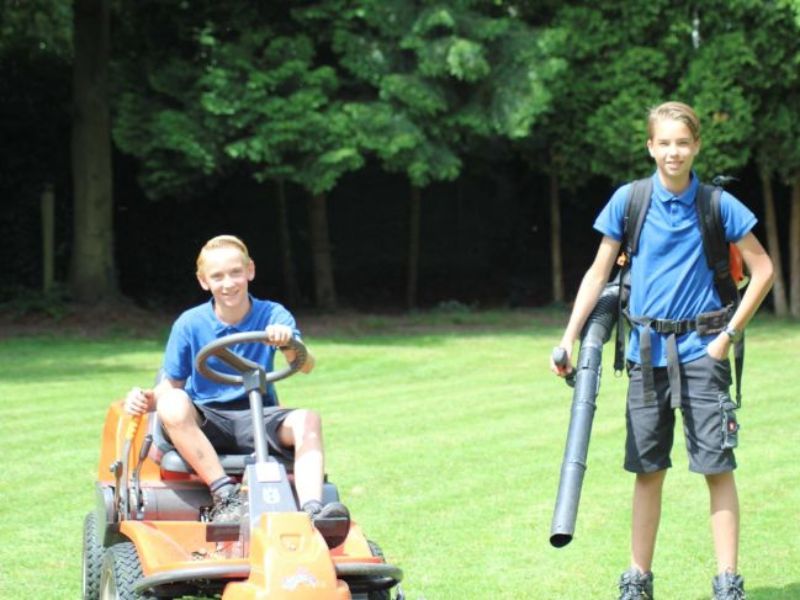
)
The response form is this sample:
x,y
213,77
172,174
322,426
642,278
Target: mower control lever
x,y
135,488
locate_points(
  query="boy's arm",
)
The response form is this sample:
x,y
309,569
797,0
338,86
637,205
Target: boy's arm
x,y
308,366
280,335
761,277
589,291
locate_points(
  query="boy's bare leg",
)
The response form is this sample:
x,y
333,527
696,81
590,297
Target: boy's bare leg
x,y
303,430
180,418
646,517
724,504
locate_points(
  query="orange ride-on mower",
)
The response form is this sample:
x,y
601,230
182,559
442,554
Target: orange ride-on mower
x,y
149,535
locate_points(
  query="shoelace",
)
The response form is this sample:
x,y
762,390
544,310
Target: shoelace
x,y
731,590
733,593
632,589
231,501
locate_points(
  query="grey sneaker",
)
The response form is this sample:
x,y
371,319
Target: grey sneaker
x,y
227,506
728,586
331,520
635,585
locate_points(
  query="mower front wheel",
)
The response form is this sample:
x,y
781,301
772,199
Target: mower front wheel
x,y
376,551
121,571
92,558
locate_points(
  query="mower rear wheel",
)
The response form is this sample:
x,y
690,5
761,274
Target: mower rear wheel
x,y
92,558
121,571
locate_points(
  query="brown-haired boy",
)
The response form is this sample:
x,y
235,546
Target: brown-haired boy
x,y
671,281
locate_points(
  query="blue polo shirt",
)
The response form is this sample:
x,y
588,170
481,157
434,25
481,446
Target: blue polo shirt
x,y
670,278
198,326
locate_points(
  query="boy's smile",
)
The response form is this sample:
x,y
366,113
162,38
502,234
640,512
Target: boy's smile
x,y
226,274
673,147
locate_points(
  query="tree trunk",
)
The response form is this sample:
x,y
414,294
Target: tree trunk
x,y
556,256
92,273
413,247
794,250
773,243
324,290
48,237
290,286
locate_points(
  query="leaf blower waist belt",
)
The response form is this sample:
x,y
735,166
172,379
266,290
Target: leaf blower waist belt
x,y
705,324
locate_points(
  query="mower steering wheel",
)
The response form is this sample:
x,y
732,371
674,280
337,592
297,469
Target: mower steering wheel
x,y
220,349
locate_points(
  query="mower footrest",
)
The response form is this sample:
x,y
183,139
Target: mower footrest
x,y
194,573
333,528
369,577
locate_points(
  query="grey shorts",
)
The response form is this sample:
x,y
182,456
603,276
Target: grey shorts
x,y
229,428
705,383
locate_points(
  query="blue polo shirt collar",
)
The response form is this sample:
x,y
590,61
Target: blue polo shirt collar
x,y
664,195
224,328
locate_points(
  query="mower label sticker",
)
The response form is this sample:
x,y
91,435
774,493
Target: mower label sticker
x,y
268,472
271,495
302,577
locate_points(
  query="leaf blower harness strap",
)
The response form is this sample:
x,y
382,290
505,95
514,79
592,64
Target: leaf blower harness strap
x,y
705,324
717,254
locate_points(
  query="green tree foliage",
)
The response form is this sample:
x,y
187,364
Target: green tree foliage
x,y
432,81
751,51
302,93
714,86
429,78
247,88
242,86
278,108
158,116
777,45
619,65
38,26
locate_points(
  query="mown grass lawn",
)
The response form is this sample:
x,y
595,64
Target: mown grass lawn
x,y
445,436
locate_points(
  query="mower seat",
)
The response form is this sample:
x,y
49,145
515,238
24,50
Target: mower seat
x,y
164,453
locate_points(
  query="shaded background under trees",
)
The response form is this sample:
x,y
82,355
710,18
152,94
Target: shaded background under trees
x,y
381,154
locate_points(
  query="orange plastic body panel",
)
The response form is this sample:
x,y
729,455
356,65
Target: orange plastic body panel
x,y
288,560
162,545
167,545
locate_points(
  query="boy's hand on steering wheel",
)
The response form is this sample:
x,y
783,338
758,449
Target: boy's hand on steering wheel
x,y
279,335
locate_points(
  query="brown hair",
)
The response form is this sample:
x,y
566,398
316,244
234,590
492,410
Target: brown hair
x,y
222,241
677,111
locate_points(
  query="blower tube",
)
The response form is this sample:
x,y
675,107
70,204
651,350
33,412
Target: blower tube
x,y
596,332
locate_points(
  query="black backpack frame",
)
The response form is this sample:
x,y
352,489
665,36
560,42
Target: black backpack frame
x,y
715,247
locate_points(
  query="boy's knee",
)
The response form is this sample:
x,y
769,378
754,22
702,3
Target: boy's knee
x,y
175,408
312,421
653,478
306,425
724,479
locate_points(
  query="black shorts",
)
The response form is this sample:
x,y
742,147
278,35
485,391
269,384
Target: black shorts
x,y
705,383
229,428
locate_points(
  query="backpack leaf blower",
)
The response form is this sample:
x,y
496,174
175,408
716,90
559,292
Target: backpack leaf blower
x,y
596,332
